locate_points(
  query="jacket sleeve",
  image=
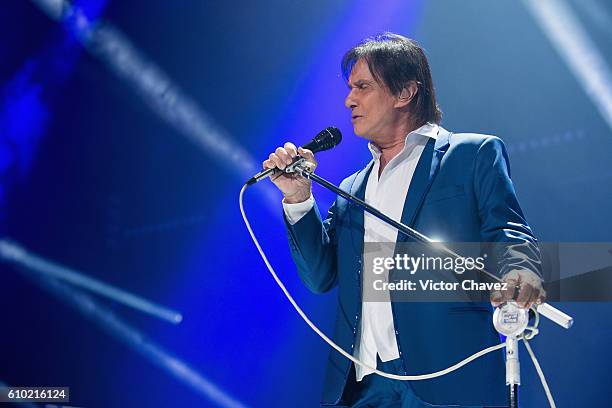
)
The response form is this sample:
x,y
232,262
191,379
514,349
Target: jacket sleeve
x,y
313,248
504,229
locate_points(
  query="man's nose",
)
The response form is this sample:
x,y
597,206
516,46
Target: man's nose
x,y
349,101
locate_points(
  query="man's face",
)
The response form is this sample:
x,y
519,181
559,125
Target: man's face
x,y
373,107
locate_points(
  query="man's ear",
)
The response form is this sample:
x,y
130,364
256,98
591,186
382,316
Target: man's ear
x,y
407,94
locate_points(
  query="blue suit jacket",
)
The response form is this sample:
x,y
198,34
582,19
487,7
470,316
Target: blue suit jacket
x,y
461,190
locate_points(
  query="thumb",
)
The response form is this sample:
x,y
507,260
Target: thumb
x,y
307,154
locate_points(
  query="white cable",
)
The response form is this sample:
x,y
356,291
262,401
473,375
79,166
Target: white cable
x,y
334,345
551,401
533,330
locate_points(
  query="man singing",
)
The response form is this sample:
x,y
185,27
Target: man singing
x,y
442,184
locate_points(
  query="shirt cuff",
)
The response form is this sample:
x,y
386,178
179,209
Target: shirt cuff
x,y
294,212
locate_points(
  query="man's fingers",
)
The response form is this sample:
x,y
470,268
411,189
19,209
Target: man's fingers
x,y
504,295
268,164
278,162
291,149
523,292
541,297
538,297
533,300
496,298
307,154
509,292
525,295
283,155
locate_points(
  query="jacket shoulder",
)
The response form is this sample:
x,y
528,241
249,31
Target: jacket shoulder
x,y
475,144
473,139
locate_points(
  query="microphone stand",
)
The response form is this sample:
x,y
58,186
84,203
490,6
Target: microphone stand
x,y
511,321
513,373
508,320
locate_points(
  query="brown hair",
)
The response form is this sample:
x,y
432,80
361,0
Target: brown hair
x,y
394,61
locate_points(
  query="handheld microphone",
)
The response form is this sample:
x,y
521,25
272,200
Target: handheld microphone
x,y
324,140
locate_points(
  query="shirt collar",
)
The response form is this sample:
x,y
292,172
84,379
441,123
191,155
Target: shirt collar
x,y
428,130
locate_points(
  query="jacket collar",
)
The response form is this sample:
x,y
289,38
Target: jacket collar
x,y
424,175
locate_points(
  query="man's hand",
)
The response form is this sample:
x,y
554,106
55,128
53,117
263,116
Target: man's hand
x,y
523,287
295,188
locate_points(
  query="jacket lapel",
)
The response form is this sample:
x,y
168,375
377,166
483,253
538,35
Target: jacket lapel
x,y
356,223
423,177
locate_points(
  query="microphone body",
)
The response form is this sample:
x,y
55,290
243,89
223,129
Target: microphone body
x,y
325,140
268,172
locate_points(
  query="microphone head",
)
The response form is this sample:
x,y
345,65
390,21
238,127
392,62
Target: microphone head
x,y
325,140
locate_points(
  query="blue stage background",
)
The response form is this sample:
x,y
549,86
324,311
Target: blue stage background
x,y
93,177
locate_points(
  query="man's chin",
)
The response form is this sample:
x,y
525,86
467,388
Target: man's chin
x,y
360,132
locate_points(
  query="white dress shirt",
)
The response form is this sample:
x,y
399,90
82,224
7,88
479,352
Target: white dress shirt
x,y
387,193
